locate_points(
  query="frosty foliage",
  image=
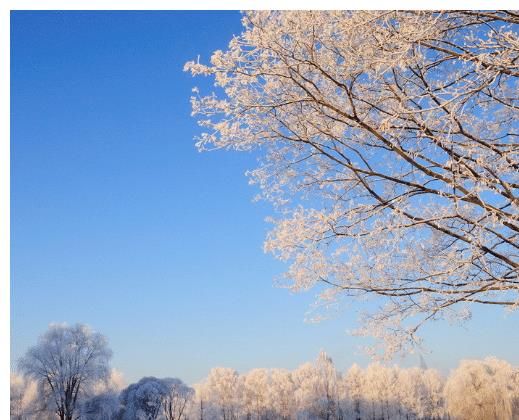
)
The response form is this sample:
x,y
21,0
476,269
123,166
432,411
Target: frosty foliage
x,y
24,393
143,400
318,391
224,391
389,148
152,398
483,389
103,402
176,400
475,390
103,406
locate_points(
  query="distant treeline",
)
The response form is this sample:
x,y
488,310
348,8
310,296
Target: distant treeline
x,y
477,390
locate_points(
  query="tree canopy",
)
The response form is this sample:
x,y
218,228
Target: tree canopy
x,y
388,144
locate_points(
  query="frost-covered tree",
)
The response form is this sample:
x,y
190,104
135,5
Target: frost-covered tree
x,y
223,386
175,402
255,394
434,404
389,144
65,363
317,388
103,402
353,393
282,394
392,393
328,387
202,405
305,381
483,389
142,400
153,398
23,397
419,394
103,406
381,390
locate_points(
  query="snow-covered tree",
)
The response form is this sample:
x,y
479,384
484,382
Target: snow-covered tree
x,y
103,402
223,387
23,396
282,394
434,405
66,362
317,388
389,144
304,378
419,394
153,398
328,387
103,406
483,389
353,393
255,394
202,405
380,391
176,400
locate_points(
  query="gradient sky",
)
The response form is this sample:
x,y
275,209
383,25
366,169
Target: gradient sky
x,y
118,222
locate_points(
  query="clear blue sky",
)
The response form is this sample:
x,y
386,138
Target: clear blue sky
x,y
118,222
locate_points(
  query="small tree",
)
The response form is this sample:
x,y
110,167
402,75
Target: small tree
x,y
65,363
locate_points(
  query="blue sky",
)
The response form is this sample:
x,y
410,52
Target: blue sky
x,y
118,222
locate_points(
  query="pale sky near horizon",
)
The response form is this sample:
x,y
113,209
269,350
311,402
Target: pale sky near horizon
x,y
118,222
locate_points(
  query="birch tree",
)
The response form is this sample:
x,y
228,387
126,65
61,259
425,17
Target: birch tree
x,y
388,146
